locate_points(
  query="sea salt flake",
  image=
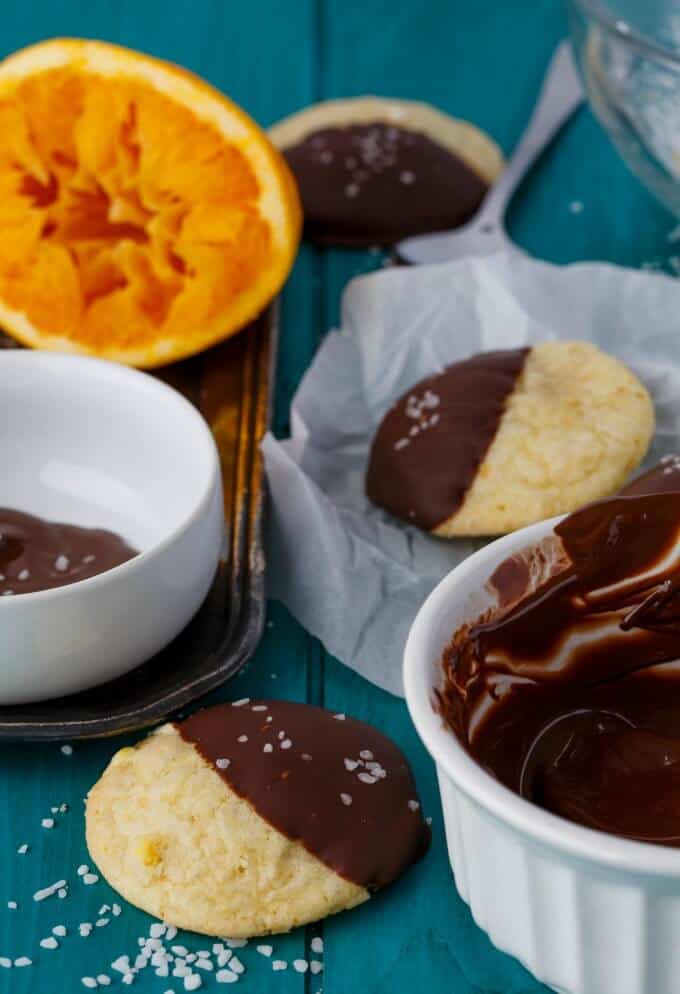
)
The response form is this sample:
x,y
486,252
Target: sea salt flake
x,y
367,778
103,979
226,977
23,849
59,930
315,966
156,930
259,707
279,964
407,177
62,563
49,943
317,944
401,443
23,961
241,702
350,764
192,982
267,747
351,190
82,870
5,962
121,965
339,717
85,928
286,744
366,754
116,911
265,950
306,756
576,207
413,806
300,965
90,878
242,738
50,891
88,982
24,574
62,893
12,905
236,965
346,799
47,823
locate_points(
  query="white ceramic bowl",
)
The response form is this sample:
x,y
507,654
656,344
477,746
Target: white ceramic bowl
x,y
585,912
96,444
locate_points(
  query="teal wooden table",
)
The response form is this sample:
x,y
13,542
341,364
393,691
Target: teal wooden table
x,y
479,60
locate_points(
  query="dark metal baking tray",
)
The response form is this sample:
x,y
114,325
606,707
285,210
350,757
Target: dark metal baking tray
x,y
231,385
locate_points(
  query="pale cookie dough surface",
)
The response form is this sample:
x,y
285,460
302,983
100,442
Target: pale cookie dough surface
x,y
465,140
576,425
170,835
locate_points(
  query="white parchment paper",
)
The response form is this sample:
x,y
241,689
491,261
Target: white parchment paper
x,y
351,574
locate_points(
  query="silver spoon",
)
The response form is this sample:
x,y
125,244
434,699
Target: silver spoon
x,y
560,95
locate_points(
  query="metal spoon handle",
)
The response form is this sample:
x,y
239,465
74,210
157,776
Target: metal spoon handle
x,y
561,94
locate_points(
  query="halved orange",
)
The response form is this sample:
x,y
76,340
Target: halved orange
x,y
143,215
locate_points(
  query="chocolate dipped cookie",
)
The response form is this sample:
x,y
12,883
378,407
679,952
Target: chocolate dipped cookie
x,y
254,817
506,438
371,171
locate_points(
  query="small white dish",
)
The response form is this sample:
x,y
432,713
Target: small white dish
x,y
95,444
585,912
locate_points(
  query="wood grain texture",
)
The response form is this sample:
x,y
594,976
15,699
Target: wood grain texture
x,y
482,61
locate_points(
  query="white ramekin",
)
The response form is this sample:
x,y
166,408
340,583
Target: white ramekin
x,y
97,444
585,912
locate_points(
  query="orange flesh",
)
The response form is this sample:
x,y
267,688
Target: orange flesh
x,y
124,218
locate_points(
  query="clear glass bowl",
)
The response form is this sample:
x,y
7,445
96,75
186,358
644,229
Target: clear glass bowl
x,y
629,56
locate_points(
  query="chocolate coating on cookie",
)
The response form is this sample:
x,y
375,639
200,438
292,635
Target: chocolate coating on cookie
x,y
374,183
429,446
335,784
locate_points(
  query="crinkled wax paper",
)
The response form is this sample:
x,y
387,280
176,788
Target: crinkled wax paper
x,y
350,573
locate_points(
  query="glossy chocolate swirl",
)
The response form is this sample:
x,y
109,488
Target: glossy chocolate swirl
x,y
39,555
335,784
372,184
431,443
569,693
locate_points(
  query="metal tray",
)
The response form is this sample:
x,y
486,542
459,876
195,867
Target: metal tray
x,y
231,385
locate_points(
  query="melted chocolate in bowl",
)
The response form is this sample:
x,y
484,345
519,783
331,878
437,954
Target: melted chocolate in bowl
x,y
569,691
39,555
371,184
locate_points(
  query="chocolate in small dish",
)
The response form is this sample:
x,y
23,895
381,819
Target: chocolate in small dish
x,y
36,554
568,691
